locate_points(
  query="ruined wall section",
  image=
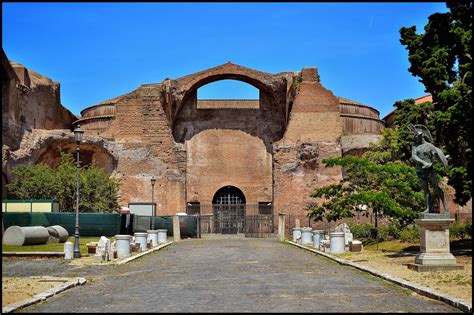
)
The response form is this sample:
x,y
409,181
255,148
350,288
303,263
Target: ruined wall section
x,y
9,86
313,134
38,102
29,101
148,149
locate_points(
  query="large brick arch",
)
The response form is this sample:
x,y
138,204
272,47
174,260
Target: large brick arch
x,y
267,122
182,88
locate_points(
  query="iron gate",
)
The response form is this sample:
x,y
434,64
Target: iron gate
x,y
255,220
259,225
229,218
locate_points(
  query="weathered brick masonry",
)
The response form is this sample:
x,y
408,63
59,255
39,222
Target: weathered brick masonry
x,y
270,149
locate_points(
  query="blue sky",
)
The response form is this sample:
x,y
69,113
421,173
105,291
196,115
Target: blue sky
x,y
98,51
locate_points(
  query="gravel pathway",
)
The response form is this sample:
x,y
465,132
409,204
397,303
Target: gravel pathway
x,y
223,275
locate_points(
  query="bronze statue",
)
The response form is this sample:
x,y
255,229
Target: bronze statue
x,y
424,153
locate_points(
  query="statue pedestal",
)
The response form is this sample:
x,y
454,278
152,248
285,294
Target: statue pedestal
x,y
434,244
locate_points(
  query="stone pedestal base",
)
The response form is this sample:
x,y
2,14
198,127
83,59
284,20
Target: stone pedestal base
x,y
425,268
435,259
434,244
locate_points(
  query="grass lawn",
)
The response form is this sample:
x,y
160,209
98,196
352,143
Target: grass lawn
x,y
58,247
399,246
392,257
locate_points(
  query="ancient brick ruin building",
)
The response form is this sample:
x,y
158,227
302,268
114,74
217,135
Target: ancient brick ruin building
x,y
263,153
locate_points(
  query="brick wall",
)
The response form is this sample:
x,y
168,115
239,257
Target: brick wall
x,y
149,150
218,157
312,135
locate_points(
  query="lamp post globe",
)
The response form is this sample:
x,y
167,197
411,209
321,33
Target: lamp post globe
x,y
78,133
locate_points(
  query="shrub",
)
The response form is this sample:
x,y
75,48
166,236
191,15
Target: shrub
x,y
456,230
383,233
394,229
461,230
98,191
468,229
360,230
409,234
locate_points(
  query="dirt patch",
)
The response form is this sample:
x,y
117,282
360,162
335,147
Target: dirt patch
x,y
456,283
16,289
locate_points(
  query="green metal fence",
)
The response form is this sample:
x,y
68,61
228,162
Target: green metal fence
x,y
98,224
91,224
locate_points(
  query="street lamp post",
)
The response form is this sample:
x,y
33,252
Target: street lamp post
x,y
78,132
153,181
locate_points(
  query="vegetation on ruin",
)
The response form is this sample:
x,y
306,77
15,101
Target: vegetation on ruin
x,y
98,191
442,58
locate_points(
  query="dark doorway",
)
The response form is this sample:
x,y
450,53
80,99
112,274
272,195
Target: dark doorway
x,y
229,210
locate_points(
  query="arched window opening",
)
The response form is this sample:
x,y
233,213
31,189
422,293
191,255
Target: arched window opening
x,y
228,94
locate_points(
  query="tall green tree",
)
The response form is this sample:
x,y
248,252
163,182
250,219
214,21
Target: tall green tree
x,y
388,189
380,182
442,58
98,192
32,182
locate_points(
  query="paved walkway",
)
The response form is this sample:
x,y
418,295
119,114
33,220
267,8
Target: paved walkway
x,y
227,275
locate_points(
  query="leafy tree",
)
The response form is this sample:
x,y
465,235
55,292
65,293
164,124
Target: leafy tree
x,y
441,57
65,183
98,192
32,182
410,113
388,148
390,189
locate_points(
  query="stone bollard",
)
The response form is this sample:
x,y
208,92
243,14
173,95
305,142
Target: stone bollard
x,y
297,223
306,235
68,250
153,236
281,227
162,236
336,241
318,236
123,245
176,231
296,234
140,238
348,238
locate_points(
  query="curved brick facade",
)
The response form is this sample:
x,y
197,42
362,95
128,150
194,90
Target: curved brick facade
x,y
271,148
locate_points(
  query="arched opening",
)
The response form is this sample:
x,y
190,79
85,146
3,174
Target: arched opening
x,y
89,154
228,94
228,195
230,103
228,206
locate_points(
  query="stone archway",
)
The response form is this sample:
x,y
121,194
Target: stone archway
x,y
45,146
228,206
184,87
266,121
90,153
